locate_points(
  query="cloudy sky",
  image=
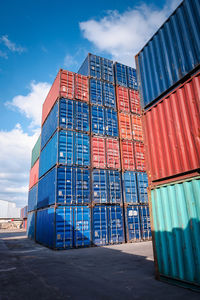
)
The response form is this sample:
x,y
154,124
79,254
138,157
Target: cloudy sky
x,y
37,37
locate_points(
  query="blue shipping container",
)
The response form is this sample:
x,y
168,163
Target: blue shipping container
x,y
65,147
99,186
133,229
111,122
132,78
66,114
121,74
109,99
107,225
65,186
32,198
145,222
96,91
130,187
97,67
31,225
142,184
98,119
172,52
64,227
114,187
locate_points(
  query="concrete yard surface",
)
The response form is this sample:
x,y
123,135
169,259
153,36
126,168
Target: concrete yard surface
x,y
31,271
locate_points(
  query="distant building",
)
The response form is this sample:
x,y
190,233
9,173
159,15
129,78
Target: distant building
x,y
8,210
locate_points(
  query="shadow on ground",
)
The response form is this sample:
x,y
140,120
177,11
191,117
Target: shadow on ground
x,y
30,271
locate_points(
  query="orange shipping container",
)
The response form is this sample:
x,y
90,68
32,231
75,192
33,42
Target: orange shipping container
x,y
34,172
98,152
128,162
123,99
135,101
137,128
139,156
125,126
112,153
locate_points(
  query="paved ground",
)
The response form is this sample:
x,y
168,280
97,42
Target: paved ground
x,y
30,271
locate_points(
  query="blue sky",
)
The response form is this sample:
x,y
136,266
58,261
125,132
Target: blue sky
x,y
39,37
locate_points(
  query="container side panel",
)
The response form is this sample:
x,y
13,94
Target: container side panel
x,y
31,225
47,189
36,151
45,228
34,173
32,198
50,125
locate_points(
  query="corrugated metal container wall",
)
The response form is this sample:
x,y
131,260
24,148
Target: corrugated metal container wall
x,y
123,99
130,187
111,122
31,225
172,133
36,151
96,91
139,156
112,154
125,126
176,227
98,152
127,155
120,74
64,185
172,52
98,119
34,173
32,198
99,186
135,102
133,223
64,227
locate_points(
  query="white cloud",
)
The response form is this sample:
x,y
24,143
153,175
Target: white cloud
x,y
15,159
123,35
3,54
10,45
70,61
31,104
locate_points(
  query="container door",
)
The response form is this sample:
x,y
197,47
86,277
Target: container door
x,y
109,95
82,149
66,147
98,120
100,225
81,186
115,217
65,185
81,119
82,221
66,114
96,92
142,182
130,187
145,222
133,223
114,187
111,124
64,227
99,183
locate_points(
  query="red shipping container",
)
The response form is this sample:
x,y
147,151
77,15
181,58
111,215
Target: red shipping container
x,y
137,129
81,88
128,161
172,133
125,126
112,153
139,151
98,152
135,101
34,172
123,99
67,85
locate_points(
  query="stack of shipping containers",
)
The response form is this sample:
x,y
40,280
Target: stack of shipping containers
x,y
134,177
79,199
168,73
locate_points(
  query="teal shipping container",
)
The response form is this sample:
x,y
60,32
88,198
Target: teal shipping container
x,y
175,215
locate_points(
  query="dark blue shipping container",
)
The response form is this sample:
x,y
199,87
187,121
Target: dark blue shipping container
x,y
130,187
121,74
99,186
31,225
142,184
109,99
145,222
98,119
132,78
111,122
96,91
67,148
107,225
64,227
65,186
32,198
97,67
66,114
133,229
172,52
114,187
